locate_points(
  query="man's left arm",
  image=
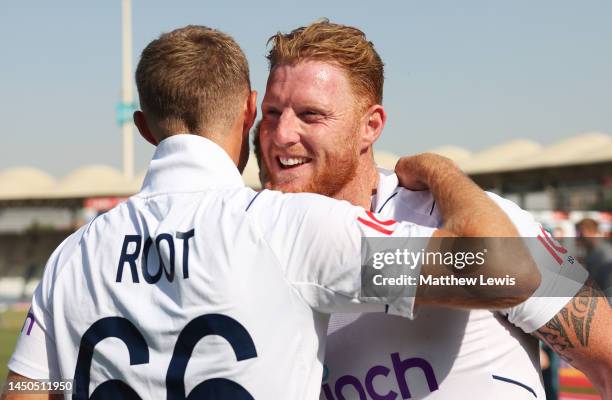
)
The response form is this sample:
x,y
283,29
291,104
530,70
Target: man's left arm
x,y
580,334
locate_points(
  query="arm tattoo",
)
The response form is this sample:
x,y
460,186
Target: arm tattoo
x,y
564,313
584,308
570,328
555,335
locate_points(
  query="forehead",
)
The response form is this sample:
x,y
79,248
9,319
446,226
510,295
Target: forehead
x,y
317,81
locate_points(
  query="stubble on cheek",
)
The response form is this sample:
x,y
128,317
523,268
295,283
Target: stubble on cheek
x,y
331,171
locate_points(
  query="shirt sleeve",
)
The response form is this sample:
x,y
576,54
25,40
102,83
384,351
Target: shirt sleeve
x,y
562,276
318,242
35,354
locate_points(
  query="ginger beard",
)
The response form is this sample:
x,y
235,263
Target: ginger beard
x,y
332,170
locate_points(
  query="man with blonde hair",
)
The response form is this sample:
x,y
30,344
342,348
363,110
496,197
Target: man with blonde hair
x,y
322,112
189,289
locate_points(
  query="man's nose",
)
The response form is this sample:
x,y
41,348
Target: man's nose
x,y
287,130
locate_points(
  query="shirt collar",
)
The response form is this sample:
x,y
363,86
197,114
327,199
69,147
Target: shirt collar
x,y
387,185
186,162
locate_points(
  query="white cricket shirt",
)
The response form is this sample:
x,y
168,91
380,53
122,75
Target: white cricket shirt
x,y
447,353
199,285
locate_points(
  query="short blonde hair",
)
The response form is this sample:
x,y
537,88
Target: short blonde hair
x,y
194,75
342,45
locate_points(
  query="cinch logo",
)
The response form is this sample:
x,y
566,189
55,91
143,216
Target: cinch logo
x,y
367,390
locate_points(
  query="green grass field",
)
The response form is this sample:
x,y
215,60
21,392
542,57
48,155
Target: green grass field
x,y
10,326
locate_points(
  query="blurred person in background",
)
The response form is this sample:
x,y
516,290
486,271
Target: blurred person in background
x,y
598,260
549,362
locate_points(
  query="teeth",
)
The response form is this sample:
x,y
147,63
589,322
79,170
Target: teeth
x,y
290,162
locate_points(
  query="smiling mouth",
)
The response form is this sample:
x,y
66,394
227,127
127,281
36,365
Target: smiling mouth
x,y
292,162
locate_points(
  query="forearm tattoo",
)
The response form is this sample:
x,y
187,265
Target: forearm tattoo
x,y
571,327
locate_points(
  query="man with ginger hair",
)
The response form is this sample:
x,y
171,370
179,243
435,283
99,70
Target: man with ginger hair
x,y
189,288
322,112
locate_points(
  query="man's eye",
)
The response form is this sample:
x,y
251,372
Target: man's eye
x,y
272,112
310,114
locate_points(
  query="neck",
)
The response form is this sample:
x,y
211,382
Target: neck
x,y
359,190
229,138
232,142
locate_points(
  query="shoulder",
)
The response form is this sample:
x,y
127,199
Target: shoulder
x,y
64,251
305,212
509,207
404,204
296,202
421,207
58,262
523,220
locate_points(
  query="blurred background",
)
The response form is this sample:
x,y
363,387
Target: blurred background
x,y
518,93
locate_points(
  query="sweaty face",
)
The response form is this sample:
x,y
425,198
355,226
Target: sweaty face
x,y
308,132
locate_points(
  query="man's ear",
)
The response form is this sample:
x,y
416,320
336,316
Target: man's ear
x,y
143,127
250,112
374,122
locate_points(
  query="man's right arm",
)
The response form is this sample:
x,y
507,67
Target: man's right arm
x,y
468,213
